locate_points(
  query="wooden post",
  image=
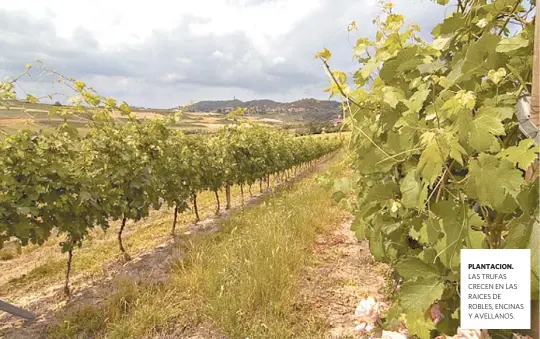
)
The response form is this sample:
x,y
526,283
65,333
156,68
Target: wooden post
x,y
16,310
535,93
532,171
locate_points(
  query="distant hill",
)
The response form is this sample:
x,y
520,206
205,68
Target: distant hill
x,y
305,109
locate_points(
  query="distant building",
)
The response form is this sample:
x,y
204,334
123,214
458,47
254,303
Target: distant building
x,y
337,121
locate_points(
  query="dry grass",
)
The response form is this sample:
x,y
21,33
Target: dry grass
x,y
241,281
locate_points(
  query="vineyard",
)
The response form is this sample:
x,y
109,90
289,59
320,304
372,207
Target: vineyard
x,y
59,182
435,162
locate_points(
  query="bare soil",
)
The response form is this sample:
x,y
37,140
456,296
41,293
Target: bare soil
x,y
344,273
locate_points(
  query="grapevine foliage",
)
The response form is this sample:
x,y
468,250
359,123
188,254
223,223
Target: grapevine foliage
x,y
439,158
58,182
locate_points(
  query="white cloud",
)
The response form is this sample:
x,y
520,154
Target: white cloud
x,y
218,54
279,60
184,60
163,53
130,22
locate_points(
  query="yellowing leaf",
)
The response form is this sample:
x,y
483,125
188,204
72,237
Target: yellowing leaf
x,y
79,85
497,75
522,155
462,100
32,99
482,23
52,111
418,324
511,44
324,54
369,67
392,96
124,108
416,101
431,162
441,43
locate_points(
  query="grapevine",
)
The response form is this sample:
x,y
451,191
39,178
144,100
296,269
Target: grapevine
x,y
57,181
437,150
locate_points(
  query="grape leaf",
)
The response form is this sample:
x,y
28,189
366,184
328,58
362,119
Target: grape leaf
x,y
522,155
413,192
496,75
420,294
419,324
485,171
511,44
431,162
416,101
524,233
412,268
324,54
483,129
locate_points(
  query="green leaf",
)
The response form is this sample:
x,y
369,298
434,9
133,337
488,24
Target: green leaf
x,y
456,220
359,228
487,170
431,67
412,268
430,232
376,242
522,155
475,239
382,191
413,192
431,161
511,44
416,101
524,233
485,126
451,24
480,55
419,324
419,295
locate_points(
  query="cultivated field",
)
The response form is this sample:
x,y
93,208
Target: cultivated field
x,y
36,116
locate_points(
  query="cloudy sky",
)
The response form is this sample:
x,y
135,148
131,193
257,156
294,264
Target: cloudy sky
x,y
164,53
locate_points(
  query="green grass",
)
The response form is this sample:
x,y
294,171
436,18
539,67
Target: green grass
x,y
240,281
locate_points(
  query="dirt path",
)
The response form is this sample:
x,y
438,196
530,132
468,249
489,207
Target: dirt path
x,y
343,274
152,266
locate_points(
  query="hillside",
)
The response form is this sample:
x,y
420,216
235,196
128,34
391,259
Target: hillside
x,y
304,109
